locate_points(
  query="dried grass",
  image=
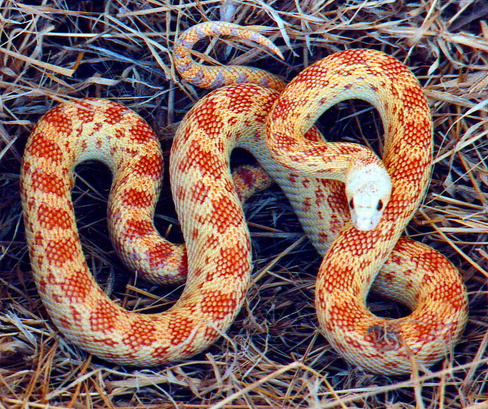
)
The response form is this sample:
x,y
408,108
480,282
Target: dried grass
x,y
273,355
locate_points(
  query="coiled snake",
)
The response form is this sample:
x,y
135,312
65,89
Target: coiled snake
x,y
271,124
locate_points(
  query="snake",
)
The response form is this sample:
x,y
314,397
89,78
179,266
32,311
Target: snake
x,y
352,205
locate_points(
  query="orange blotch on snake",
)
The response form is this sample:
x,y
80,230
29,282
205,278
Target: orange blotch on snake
x,y
344,313
412,97
142,332
209,120
138,227
390,66
58,120
115,113
140,132
180,328
84,115
61,251
246,99
230,262
48,183
133,197
43,147
246,176
160,253
104,318
203,159
149,165
218,304
77,287
452,295
226,213
53,218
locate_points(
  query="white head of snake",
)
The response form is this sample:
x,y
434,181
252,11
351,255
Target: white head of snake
x,y
368,191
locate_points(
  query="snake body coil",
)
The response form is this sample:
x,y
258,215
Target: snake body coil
x,y
216,237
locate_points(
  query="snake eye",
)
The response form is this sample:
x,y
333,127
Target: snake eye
x,y
380,205
351,204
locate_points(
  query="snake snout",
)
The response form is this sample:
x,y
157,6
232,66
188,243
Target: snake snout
x,y
368,194
365,218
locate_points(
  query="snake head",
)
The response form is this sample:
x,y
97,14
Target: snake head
x,y
368,191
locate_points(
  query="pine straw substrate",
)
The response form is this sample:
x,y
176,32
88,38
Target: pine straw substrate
x,y
273,355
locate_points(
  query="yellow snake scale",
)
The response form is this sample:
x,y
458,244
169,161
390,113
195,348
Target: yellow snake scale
x,y
271,124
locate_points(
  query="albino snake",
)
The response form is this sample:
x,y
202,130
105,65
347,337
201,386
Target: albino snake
x,y
217,239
